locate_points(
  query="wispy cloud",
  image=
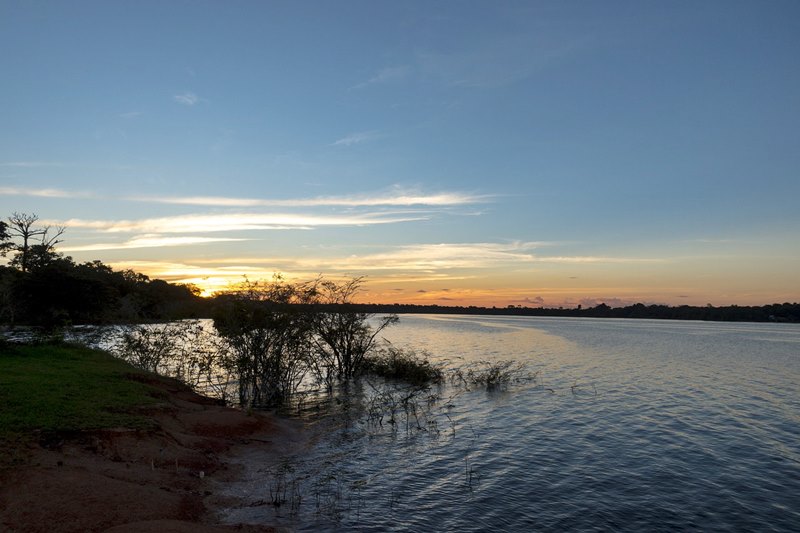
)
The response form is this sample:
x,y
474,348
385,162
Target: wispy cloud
x,y
499,63
419,263
131,114
596,259
147,241
398,197
356,138
46,193
433,257
31,164
430,259
187,98
232,222
385,75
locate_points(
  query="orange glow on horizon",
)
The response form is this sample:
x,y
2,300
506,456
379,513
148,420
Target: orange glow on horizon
x,y
550,288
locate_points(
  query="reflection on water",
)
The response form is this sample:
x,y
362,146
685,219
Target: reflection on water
x,y
633,425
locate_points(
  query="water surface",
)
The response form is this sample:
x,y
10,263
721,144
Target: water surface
x,y
632,425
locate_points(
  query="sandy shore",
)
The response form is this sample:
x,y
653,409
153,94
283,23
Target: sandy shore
x,y
126,481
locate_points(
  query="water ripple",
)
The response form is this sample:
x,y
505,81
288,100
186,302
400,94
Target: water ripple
x,y
633,426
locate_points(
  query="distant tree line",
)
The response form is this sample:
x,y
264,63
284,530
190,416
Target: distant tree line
x,y
779,312
41,287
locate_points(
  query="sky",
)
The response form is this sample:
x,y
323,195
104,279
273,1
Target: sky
x,y
457,152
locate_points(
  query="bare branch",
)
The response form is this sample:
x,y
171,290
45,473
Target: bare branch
x,y
51,242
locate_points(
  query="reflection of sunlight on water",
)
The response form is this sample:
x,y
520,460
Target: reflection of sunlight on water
x,y
497,340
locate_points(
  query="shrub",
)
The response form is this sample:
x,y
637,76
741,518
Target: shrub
x,y
266,339
491,375
404,365
181,350
343,337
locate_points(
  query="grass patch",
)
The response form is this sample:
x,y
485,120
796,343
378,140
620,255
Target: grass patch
x,y
54,388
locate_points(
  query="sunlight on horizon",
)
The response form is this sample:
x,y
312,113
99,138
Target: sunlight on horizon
x,y
493,154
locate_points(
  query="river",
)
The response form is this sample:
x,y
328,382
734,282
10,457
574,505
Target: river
x,y
629,425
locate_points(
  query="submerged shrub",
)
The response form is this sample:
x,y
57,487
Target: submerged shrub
x,y
343,338
149,346
265,330
181,350
491,375
404,365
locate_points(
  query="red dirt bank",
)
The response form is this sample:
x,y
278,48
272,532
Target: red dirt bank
x,y
126,481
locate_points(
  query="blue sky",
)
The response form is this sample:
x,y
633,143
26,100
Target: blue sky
x,y
492,153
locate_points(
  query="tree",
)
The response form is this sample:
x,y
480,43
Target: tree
x,y
343,336
31,254
266,328
9,278
5,245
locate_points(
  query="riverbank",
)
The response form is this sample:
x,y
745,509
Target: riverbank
x,y
87,443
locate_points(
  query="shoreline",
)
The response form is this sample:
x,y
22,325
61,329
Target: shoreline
x,y
125,480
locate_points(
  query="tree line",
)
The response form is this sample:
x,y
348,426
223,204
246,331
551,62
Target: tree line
x,y
41,287
778,312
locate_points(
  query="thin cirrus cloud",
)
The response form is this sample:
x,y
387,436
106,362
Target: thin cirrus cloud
x,y
398,199
427,258
231,222
385,75
416,257
408,263
494,64
46,193
148,241
433,257
187,99
498,63
357,138
31,164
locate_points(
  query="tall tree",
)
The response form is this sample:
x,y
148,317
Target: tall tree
x,y
29,251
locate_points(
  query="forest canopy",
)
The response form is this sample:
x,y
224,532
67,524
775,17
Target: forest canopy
x,y
41,287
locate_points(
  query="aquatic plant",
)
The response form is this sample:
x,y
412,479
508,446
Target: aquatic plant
x,y
183,350
491,375
285,489
404,365
149,347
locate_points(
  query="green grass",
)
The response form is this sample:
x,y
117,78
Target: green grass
x,y
65,388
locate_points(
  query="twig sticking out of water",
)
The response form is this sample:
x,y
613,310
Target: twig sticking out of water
x,y
575,388
391,401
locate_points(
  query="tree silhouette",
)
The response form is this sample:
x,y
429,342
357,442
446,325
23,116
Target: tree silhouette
x,y
5,239
30,253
